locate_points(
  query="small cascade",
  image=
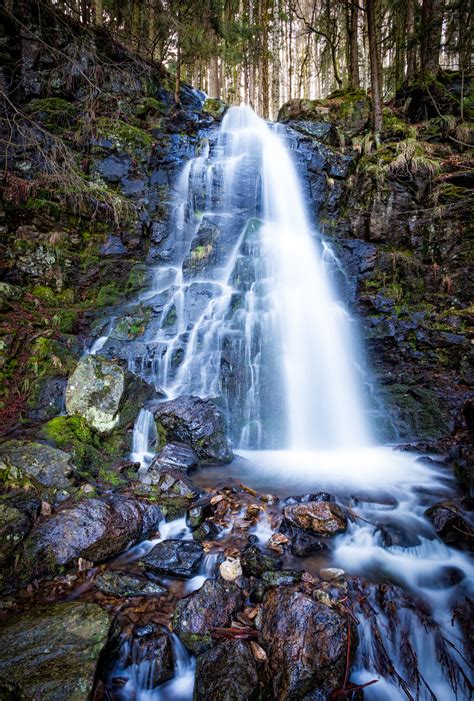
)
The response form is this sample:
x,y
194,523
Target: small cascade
x,y
207,570
100,342
144,438
137,669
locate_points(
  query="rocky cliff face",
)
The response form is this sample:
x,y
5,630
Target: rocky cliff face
x,y
399,219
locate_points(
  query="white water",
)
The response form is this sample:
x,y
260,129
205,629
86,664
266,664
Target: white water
x,y
260,302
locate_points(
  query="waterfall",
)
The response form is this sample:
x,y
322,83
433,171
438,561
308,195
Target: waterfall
x,y
247,312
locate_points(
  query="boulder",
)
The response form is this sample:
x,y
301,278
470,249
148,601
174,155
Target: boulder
x,y
213,605
52,651
306,644
175,456
350,111
175,558
226,672
197,422
93,529
122,584
48,466
214,107
304,543
321,518
450,525
105,394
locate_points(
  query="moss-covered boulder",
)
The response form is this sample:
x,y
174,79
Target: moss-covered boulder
x,y
350,111
215,107
105,394
47,466
93,529
51,652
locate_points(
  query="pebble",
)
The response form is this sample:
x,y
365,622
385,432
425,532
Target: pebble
x,y
329,574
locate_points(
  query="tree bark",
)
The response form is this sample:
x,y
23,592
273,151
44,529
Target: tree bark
x,y
214,78
352,18
410,38
431,26
375,72
276,61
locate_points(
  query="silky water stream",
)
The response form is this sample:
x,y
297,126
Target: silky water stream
x,y
246,310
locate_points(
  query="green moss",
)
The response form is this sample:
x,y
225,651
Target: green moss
x,y
108,295
124,135
161,430
393,126
111,477
55,111
65,430
137,279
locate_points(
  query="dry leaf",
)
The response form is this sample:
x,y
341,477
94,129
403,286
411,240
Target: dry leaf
x,y
258,652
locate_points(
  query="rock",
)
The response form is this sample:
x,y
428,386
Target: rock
x,y
211,606
197,422
305,641
17,515
331,574
105,394
230,569
154,652
113,247
206,531
52,651
304,498
9,294
215,107
95,390
320,518
393,536
450,525
255,561
277,579
227,672
175,456
48,466
93,529
124,585
114,168
347,110
304,543
195,516
175,558
50,399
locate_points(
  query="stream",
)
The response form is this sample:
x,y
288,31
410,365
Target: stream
x,y
248,308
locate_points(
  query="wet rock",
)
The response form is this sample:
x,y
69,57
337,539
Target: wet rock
x,y
349,111
305,641
211,606
114,168
304,498
17,515
48,466
320,518
227,672
175,558
197,422
195,516
93,529
155,649
50,400
392,536
122,584
206,531
255,561
451,525
277,579
304,543
176,456
331,574
105,394
52,651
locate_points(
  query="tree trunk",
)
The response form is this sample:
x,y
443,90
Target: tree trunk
x,y
98,12
431,26
276,62
352,17
214,81
264,84
375,72
410,38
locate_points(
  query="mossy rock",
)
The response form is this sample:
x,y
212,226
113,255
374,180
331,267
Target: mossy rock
x,y
124,136
215,107
54,112
52,651
348,110
48,466
418,412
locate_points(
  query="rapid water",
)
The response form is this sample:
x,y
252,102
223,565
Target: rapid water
x,y
245,311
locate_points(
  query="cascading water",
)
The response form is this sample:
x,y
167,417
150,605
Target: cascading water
x,y
245,310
